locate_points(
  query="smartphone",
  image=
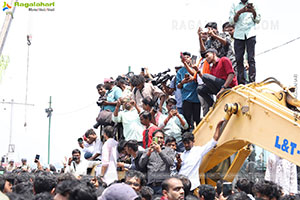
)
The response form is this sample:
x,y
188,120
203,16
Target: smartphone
x,y
80,140
143,69
227,189
155,139
37,157
2,159
182,56
84,138
194,58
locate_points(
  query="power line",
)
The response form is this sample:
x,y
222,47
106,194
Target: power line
x,y
77,110
286,43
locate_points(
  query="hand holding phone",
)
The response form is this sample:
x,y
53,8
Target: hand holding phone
x,y
227,189
80,140
182,57
154,139
37,158
194,58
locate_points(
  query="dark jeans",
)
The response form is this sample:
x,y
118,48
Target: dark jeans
x,y
191,112
239,48
212,85
157,189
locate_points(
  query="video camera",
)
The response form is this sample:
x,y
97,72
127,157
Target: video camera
x,y
161,77
75,158
101,100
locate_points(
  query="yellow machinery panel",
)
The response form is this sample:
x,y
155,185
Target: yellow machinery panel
x,y
254,114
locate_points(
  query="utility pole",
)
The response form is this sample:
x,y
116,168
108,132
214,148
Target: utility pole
x,y
11,147
6,25
49,112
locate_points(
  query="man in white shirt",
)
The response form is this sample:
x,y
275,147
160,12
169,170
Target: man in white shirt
x,y
189,162
79,167
109,157
94,144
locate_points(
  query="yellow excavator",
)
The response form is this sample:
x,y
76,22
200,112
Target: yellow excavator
x,y
264,114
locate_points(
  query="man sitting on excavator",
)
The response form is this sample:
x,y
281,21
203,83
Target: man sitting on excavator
x,y
221,76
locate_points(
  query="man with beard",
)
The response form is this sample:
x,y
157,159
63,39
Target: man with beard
x,y
158,159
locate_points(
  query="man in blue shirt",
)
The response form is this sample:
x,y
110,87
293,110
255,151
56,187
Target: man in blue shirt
x,y
190,102
113,94
244,16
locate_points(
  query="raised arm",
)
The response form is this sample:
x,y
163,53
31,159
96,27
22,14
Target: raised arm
x,y
202,46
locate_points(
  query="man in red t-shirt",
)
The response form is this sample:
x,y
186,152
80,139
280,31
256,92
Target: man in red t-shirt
x,y
221,76
145,118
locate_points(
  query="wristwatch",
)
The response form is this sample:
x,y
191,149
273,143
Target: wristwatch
x,y
223,87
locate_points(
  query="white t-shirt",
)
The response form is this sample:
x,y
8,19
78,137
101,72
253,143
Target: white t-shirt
x,y
95,147
191,161
81,168
109,158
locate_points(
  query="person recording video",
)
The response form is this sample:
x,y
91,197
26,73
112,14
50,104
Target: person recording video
x,y
78,167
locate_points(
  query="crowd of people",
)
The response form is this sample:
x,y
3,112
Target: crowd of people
x,y
145,149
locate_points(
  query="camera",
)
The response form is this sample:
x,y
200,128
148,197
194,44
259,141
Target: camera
x,y
249,5
160,78
74,158
101,100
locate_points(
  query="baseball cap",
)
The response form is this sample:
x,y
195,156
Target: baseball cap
x,y
108,80
118,191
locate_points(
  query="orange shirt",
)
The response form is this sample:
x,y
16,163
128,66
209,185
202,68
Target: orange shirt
x,y
205,68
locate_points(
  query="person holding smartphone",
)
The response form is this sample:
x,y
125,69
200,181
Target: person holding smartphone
x,y
157,159
185,82
77,166
173,123
244,15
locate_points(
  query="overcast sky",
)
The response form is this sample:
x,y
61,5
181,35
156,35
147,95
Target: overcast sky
x,y
81,42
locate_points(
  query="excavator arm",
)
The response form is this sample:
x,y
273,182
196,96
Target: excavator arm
x,y
254,114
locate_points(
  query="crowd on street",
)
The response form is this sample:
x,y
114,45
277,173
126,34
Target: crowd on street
x,y
142,146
